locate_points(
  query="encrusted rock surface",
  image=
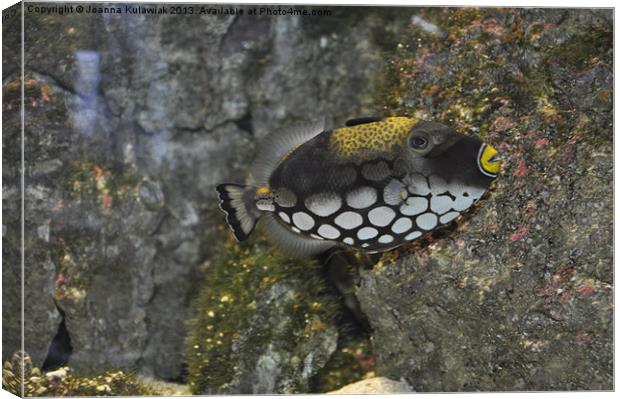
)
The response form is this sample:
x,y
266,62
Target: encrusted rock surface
x,y
375,385
41,317
280,365
263,323
130,122
518,296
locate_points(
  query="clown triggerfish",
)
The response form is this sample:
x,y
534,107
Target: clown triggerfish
x,y
374,185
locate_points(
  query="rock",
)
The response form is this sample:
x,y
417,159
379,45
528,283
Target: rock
x,y
164,388
278,367
351,362
102,241
162,109
64,383
41,318
132,120
375,385
59,374
264,323
518,294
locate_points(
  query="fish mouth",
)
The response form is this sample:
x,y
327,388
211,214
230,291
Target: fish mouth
x,y
488,160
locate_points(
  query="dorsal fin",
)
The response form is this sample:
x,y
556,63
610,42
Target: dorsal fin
x,y
362,120
292,244
276,145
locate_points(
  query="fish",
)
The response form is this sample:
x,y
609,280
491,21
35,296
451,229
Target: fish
x,y
373,185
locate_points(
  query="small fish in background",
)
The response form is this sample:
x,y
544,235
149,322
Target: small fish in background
x,y
373,185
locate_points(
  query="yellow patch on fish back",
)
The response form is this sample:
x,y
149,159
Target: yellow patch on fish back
x,y
367,139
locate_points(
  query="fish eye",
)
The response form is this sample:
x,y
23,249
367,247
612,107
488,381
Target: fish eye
x,y
418,142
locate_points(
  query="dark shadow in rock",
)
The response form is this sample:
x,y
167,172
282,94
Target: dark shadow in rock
x,y
353,358
60,349
341,270
245,123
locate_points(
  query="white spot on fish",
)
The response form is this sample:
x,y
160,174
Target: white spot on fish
x,y
365,245
438,184
441,203
417,184
448,217
329,232
394,193
349,220
284,217
386,239
323,204
458,189
381,216
475,192
427,221
265,205
413,235
462,203
349,241
401,225
414,206
303,221
366,233
362,197
465,196
295,229
315,236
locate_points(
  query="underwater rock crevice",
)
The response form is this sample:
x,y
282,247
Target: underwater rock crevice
x,y
60,349
55,81
341,271
245,123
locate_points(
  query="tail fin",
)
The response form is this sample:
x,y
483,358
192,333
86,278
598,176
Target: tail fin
x,y
237,202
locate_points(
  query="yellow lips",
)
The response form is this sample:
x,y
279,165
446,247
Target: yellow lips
x,y
487,161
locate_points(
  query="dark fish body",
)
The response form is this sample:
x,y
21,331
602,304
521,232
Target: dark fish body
x,y
374,185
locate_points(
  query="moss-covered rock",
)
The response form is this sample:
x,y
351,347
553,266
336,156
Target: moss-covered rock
x,y
63,382
518,295
352,361
264,323
176,104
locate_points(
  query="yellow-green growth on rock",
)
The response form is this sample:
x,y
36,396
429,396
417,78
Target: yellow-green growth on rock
x,y
520,295
62,382
353,361
264,323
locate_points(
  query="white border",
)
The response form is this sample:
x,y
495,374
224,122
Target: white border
x,y
482,3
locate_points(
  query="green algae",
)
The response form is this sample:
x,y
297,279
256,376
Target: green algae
x,y
535,84
237,277
583,49
484,78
